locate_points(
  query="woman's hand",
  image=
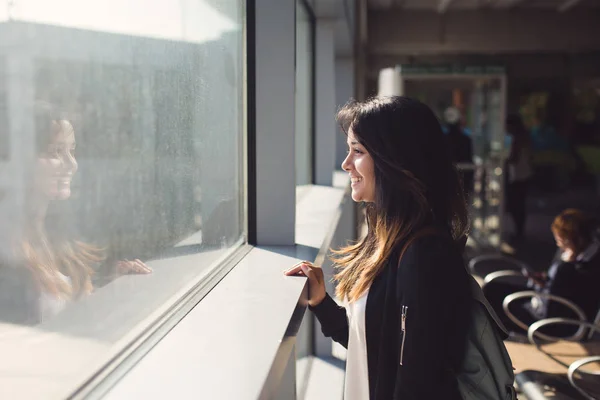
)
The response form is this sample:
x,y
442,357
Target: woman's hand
x,y
316,280
568,255
136,266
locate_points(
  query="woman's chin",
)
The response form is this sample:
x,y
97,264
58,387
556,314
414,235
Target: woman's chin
x,y
356,196
62,194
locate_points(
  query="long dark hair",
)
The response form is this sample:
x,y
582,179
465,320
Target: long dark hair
x,y
416,184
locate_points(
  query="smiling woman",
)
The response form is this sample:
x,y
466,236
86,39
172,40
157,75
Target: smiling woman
x,y
404,287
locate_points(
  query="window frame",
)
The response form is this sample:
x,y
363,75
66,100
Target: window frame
x,y
142,335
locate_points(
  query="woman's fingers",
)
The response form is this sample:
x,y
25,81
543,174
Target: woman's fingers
x,y
136,266
309,272
296,269
316,281
142,268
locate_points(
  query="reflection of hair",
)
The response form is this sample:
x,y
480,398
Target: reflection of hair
x,y
415,184
46,259
575,227
49,123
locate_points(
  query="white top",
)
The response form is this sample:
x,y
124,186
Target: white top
x,y
50,304
357,373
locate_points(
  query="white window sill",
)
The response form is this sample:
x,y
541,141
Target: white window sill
x,y
229,345
224,348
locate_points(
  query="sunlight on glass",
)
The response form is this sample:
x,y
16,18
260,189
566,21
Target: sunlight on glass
x,y
121,175
164,19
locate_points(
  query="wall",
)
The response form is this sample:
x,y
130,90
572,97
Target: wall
x,y
482,31
344,91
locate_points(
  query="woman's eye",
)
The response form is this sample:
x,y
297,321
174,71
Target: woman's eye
x,y
357,151
53,153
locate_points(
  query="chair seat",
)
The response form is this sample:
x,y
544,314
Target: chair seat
x,y
551,358
536,385
542,372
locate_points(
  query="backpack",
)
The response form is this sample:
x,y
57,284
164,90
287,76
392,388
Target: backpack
x,y
486,372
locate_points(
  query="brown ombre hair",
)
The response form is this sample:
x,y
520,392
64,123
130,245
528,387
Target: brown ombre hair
x,y
574,227
416,185
71,258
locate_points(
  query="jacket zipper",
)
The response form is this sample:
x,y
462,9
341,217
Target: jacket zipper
x,y
403,327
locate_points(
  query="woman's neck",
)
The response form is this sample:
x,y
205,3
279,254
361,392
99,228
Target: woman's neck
x,y
37,214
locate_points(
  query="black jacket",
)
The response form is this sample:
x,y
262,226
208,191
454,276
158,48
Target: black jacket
x,y
577,281
432,282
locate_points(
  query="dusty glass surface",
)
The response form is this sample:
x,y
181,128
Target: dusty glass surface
x,y
120,173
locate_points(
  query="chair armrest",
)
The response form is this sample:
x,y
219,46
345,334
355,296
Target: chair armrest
x,y
544,296
508,262
578,364
501,274
532,331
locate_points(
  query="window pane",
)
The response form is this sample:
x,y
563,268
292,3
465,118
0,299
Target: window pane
x,y
304,94
121,141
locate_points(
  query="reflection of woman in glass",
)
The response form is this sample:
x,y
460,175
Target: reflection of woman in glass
x,y
48,267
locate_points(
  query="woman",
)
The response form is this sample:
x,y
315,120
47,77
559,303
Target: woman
x,y
43,267
519,172
574,275
404,287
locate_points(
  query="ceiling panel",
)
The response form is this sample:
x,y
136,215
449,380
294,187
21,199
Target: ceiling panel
x,y
445,5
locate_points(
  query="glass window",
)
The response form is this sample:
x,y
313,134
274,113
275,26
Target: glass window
x,y
304,129
304,94
125,182
4,137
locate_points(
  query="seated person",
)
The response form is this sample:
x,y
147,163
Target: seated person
x,y
573,275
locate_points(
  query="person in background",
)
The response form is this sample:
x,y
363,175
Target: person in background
x,y
44,267
405,317
519,172
460,147
574,275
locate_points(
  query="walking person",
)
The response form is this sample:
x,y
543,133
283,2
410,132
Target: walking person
x,y
461,149
404,288
519,172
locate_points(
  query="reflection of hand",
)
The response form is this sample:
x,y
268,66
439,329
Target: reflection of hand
x,y
136,266
316,280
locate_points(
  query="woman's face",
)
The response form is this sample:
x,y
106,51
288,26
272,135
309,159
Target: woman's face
x,y
561,243
57,165
361,168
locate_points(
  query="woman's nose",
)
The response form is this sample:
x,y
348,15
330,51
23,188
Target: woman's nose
x,y
346,163
70,164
